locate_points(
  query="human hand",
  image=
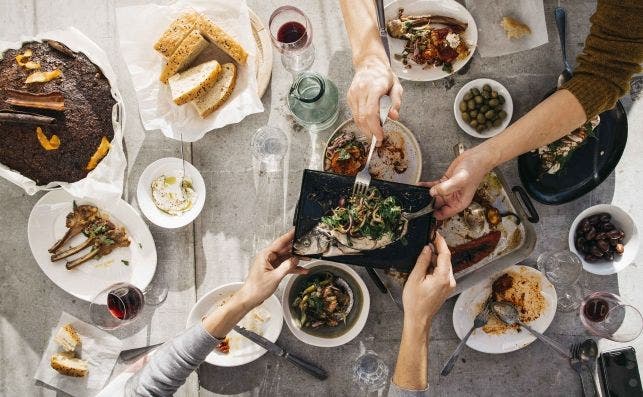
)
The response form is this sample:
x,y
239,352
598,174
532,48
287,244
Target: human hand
x,y
426,290
269,267
454,191
373,79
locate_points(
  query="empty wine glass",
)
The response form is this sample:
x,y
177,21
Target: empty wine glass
x,y
606,315
120,303
563,269
292,34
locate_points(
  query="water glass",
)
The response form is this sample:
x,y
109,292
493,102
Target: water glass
x,y
606,315
292,34
370,372
563,269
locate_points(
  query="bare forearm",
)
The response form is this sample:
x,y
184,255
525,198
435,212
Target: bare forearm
x,y
220,322
411,371
361,25
552,119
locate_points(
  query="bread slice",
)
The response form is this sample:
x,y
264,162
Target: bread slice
x,y
67,364
514,28
67,337
174,35
189,49
221,39
195,81
212,99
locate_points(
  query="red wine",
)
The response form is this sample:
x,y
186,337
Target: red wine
x,y
290,32
124,303
596,309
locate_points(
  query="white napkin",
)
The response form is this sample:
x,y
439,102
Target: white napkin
x,y
492,38
99,348
139,27
106,180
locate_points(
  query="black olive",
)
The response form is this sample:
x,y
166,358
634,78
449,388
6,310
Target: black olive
x,y
613,242
591,233
596,252
603,245
594,219
591,258
614,234
609,256
601,236
605,217
607,226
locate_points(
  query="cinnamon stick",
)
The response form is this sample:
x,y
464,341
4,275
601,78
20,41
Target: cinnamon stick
x,y
51,101
12,116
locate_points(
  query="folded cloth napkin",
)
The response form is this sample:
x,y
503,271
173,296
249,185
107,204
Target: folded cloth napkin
x,y
99,348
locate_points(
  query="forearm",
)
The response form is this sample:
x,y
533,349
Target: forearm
x,y
361,25
553,118
220,322
411,370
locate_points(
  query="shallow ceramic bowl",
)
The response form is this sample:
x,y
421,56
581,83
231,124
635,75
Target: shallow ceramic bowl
x,y
508,107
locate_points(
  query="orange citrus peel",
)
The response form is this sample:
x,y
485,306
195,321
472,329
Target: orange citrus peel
x,y
43,77
52,143
101,152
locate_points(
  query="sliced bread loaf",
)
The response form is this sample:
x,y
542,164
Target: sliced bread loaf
x,y
221,39
67,364
188,50
213,98
67,337
174,35
190,84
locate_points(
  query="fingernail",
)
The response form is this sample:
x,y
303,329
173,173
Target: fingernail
x,y
426,249
432,191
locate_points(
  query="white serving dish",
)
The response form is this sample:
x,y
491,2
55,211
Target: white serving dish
x,y
508,107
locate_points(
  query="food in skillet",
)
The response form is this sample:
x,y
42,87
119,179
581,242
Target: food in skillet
x,y
472,252
102,236
362,222
324,301
598,239
554,156
431,40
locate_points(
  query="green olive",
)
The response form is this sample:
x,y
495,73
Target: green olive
x,y
467,96
497,123
490,114
473,123
494,94
465,117
486,87
494,102
471,104
485,94
473,113
480,128
463,106
502,115
481,119
478,99
475,91
488,124
484,108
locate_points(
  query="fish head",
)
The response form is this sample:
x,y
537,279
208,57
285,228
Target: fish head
x,y
314,242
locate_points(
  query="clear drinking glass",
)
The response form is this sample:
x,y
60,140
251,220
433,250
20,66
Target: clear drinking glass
x,y
313,101
269,146
370,372
292,34
563,269
606,315
120,303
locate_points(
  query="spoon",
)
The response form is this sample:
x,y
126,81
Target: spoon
x,y
508,314
481,319
588,353
561,17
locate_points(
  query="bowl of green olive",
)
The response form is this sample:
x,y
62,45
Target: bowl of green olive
x,y
483,108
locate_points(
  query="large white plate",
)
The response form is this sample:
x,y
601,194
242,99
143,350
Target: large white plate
x,y
448,8
412,152
467,305
47,224
242,350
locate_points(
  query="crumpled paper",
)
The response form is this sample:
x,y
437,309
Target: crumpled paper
x,y
139,27
99,348
106,180
492,38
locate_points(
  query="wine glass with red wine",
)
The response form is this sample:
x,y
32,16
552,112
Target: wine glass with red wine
x,y
292,35
606,315
120,304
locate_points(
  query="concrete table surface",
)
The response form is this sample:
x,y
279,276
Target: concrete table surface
x,y
218,246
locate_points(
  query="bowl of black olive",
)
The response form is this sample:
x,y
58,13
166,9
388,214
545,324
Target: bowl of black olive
x,y
483,108
605,238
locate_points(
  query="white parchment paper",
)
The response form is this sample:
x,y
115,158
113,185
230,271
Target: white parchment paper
x,y
139,27
99,348
106,180
492,38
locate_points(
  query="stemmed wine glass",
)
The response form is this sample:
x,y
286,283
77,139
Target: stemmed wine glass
x,y
563,269
292,35
606,315
120,303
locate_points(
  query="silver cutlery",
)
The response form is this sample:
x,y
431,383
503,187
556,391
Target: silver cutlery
x,y
586,353
577,365
561,18
381,24
481,319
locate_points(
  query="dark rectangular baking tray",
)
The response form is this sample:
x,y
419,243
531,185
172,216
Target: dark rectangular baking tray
x,y
320,193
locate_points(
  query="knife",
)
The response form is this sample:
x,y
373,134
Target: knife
x,y
381,22
277,350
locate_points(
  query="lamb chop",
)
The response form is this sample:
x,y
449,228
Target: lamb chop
x,y
103,244
403,24
93,230
76,221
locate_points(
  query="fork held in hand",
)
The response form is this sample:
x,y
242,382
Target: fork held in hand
x,y
363,178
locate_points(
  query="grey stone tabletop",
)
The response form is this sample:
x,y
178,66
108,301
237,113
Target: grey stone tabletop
x,y
218,246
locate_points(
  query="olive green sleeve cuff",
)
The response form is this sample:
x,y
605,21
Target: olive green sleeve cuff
x,y
595,94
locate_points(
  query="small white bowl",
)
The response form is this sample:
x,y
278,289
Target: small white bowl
x,y
169,166
339,340
508,107
622,221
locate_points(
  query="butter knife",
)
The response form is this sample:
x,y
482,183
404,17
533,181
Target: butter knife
x,y
277,350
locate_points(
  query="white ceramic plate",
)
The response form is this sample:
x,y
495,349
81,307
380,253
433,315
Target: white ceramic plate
x,y
242,350
412,152
621,220
468,303
448,8
344,338
169,166
47,225
508,107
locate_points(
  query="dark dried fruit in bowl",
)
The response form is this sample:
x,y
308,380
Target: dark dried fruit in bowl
x,y
614,234
619,249
596,251
591,233
603,245
601,236
605,217
594,219
607,226
591,258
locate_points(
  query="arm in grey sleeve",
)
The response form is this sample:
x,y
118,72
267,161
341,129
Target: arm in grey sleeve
x,y
395,391
172,363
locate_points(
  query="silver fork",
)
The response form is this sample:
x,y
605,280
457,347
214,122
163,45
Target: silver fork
x,y
576,363
481,319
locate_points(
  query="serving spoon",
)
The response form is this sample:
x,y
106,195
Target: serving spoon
x,y
561,18
508,314
588,352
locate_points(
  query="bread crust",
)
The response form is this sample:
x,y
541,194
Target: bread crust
x,y
175,33
189,49
221,39
206,111
199,89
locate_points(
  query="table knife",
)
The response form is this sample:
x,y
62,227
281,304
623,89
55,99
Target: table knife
x,y
381,22
277,350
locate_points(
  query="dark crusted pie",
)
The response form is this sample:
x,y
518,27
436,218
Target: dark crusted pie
x,y
86,118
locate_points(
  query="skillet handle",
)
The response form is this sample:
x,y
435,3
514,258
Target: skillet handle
x,y
525,201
